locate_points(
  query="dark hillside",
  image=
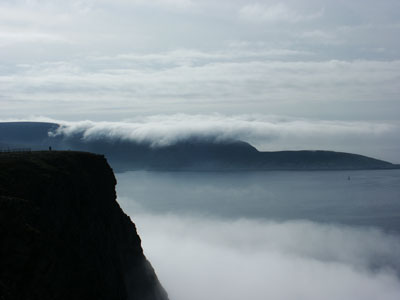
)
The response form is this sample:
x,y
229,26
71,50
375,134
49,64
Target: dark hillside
x,y
195,153
63,235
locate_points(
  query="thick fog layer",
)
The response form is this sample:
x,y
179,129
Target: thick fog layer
x,y
269,235
212,259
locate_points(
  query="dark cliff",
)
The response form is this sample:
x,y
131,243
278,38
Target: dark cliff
x,y
64,236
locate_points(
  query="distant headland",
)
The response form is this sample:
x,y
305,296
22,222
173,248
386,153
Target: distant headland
x,y
193,154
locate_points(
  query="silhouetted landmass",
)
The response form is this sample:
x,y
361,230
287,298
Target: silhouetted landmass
x,y
191,154
64,236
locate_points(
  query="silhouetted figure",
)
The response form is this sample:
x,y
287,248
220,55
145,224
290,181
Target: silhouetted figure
x,y
49,148
348,178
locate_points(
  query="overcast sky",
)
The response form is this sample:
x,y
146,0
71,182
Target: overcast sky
x,y
112,60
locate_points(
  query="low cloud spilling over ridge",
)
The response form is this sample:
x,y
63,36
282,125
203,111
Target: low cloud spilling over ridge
x,y
264,132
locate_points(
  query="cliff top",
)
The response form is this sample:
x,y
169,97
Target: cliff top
x,y
43,158
47,161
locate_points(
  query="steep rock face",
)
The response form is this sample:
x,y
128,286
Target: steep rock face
x,y
63,235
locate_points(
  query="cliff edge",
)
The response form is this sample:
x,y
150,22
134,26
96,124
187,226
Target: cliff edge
x,y
64,236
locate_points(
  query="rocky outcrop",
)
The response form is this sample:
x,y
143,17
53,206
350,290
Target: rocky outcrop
x,y
64,236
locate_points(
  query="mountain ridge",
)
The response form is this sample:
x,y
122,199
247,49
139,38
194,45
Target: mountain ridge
x,y
192,154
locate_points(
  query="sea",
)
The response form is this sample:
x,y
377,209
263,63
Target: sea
x,y
269,234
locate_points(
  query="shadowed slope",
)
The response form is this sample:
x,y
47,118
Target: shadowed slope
x,y
191,154
63,235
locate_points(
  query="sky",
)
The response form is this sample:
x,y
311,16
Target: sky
x,y
117,60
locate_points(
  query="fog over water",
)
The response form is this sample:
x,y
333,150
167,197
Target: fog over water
x,y
269,235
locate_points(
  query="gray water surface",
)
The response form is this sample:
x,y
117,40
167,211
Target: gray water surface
x,y
365,198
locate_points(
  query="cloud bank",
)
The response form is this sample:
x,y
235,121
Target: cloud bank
x,y
236,79
264,132
246,259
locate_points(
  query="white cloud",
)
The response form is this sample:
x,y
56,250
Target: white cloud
x,y
165,4
321,37
184,3
41,13
10,38
191,78
162,130
279,12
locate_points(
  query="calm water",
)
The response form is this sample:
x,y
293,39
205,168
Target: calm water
x,y
365,198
